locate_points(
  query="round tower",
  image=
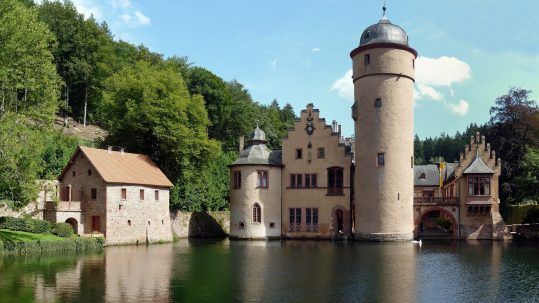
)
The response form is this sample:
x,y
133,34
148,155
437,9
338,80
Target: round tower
x,y
255,190
383,76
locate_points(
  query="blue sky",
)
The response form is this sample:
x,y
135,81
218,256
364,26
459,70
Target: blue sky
x,y
297,51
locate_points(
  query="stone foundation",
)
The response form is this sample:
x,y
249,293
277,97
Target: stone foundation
x,y
213,224
383,237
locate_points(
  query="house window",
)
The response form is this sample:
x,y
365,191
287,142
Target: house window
x,y
310,180
296,181
141,194
263,181
378,102
93,193
295,219
335,180
311,219
237,180
381,159
156,195
367,59
478,186
242,225
257,213
89,172
299,153
321,153
124,194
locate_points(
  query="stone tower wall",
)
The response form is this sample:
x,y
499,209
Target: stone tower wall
x,y
243,199
384,194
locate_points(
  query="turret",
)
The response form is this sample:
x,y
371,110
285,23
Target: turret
x,y
383,77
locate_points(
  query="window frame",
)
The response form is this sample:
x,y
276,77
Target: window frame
x,y
479,183
299,153
156,195
141,194
321,154
236,180
123,194
262,175
256,212
93,193
335,180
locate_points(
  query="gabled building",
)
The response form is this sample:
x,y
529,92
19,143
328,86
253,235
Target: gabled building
x,y
122,196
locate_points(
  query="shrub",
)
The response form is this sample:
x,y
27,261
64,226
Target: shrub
x,y
16,224
443,222
63,230
39,226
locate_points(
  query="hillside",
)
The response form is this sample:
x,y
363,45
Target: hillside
x,y
89,133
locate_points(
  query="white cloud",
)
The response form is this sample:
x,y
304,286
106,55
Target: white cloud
x,y
442,71
142,19
434,80
315,50
344,86
89,8
274,64
121,3
126,18
460,108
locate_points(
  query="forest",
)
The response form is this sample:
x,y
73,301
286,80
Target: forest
x,y
54,62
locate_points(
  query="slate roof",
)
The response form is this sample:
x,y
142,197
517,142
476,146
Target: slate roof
x,y
478,167
432,175
259,154
125,168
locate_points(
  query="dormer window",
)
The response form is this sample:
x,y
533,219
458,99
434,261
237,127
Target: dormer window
x,y
478,186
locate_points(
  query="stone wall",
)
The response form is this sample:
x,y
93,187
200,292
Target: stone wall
x,y
200,224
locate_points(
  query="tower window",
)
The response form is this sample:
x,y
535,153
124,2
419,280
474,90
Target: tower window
x,y
378,102
237,180
367,59
257,213
263,180
299,153
381,159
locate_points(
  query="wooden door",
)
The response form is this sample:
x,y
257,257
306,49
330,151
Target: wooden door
x,y
96,224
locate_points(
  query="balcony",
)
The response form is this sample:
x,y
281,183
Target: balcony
x,y
63,206
452,201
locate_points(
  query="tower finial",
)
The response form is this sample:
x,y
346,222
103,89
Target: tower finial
x,y
384,8
257,123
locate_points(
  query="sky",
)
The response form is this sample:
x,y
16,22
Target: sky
x,y
297,51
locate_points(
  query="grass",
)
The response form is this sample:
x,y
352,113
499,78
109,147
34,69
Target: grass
x,y
20,242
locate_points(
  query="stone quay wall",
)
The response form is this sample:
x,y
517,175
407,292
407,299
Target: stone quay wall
x,y
211,224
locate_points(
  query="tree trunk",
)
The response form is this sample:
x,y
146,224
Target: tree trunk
x,y
85,105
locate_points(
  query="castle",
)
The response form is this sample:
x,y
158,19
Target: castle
x,y
322,186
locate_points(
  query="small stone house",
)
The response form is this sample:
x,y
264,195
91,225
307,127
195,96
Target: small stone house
x,y
120,195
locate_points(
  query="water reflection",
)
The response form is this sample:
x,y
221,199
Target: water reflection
x,y
288,271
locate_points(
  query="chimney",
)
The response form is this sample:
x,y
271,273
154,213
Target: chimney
x,y
340,129
242,143
334,126
109,149
122,150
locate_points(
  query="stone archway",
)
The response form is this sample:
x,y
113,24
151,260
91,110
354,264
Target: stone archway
x,y
74,224
340,219
428,220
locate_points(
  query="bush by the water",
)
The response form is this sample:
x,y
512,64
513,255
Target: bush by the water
x,y
523,213
41,246
443,222
36,226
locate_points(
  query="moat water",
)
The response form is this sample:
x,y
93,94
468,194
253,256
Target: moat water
x,y
287,271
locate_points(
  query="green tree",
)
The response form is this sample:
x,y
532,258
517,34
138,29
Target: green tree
x,y
28,80
418,151
148,110
511,128
527,182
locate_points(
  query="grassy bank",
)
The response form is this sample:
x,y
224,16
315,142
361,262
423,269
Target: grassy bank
x,y
20,242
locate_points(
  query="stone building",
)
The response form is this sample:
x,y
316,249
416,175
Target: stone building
x,y
122,196
323,186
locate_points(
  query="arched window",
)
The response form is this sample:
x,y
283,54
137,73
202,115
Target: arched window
x,y
257,213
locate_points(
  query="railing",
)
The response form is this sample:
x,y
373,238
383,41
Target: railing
x,y
303,227
63,206
437,200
